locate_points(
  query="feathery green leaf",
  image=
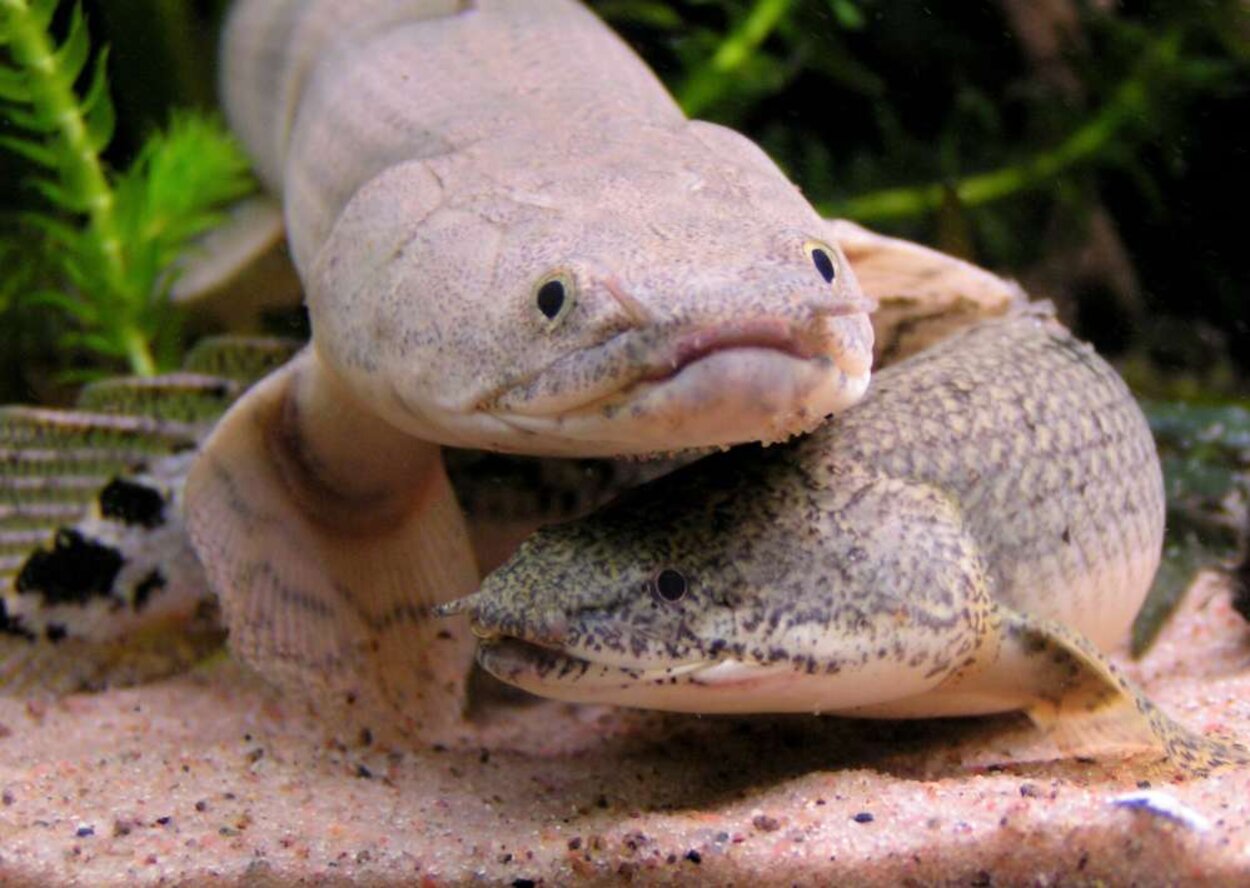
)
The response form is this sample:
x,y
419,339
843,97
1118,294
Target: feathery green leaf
x,y
117,236
34,151
13,86
72,55
97,106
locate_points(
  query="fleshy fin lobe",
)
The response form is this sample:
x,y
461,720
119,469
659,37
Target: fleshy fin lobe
x,y
923,295
1094,704
328,536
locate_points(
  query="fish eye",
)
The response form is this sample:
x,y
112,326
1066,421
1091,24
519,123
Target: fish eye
x,y
822,257
669,585
554,297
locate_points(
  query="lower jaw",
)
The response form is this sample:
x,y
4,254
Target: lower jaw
x,y
727,398
559,676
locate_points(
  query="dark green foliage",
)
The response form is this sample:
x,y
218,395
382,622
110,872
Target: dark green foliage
x,y
112,239
1206,470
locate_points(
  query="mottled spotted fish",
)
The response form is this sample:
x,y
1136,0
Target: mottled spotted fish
x,y
963,541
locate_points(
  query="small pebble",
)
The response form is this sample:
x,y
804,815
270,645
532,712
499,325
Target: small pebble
x,y
764,823
1163,805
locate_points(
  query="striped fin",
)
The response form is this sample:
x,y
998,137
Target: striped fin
x,y
18,517
50,429
29,462
1092,703
186,398
98,582
243,359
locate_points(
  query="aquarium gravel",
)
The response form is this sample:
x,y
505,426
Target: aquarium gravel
x,y
213,776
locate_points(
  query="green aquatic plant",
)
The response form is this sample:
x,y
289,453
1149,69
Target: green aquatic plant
x,y
1205,451
116,236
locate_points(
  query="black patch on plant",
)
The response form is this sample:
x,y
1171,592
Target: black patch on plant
x,y
132,503
76,570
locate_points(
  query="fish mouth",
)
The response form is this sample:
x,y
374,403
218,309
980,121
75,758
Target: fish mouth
x,y
652,390
709,685
553,672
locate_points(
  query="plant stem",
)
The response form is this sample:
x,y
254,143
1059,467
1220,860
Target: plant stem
x,y
1083,145
138,352
53,91
707,82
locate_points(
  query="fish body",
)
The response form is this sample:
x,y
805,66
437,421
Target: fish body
x,y
960,542
442,162
510,239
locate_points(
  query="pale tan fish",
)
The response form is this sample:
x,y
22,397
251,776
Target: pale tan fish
x,y
963,541
452,174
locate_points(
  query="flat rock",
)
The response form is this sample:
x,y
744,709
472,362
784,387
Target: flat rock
x,y
214,776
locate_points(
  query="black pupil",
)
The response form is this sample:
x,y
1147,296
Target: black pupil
x,y
551,298
823,264
670,584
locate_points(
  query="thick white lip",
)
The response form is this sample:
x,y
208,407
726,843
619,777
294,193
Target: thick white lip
x,y
611,370
723,686
543,669
727,391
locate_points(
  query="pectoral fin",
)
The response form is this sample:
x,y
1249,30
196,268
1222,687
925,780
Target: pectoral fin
x,y
923,295
1081,699
328,535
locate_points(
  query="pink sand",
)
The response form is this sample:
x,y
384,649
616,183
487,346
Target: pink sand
x,y
212,776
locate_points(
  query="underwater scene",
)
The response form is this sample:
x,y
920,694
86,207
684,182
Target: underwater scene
x,y
542,442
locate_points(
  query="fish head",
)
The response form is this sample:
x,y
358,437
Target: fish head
x,y
682,595
627,293
780,579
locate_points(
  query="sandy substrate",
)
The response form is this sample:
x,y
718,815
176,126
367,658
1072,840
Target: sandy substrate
x,y
212,776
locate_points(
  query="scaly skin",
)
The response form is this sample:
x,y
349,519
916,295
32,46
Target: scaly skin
x,y
61,472
440,161
948,546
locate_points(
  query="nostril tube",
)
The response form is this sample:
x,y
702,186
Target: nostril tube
x,y
848,341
